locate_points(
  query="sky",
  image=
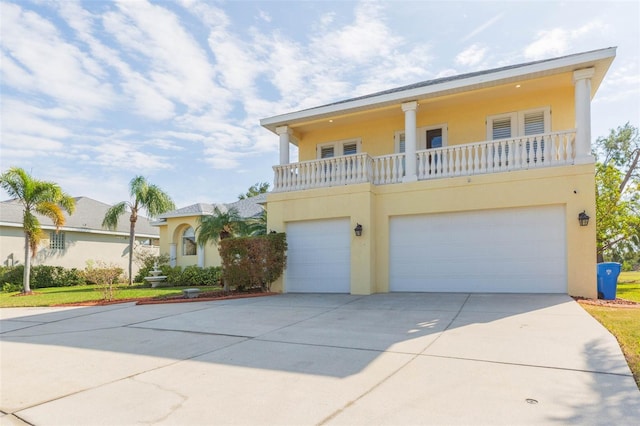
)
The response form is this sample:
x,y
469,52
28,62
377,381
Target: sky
x,y
93,93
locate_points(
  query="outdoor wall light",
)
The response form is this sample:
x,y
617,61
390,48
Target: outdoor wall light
x,y
583,218
358,230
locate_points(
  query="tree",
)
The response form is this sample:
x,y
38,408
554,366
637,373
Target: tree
x,y
257,225
255,189
220,225
37,196
143,196
618,193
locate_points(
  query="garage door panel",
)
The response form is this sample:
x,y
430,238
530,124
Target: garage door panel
x,y
511,250
318,257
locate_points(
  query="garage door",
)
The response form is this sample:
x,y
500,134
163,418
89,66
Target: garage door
x,y
512,250
319,256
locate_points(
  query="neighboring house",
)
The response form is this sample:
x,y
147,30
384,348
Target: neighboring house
x,y
80,240
500,169
178,230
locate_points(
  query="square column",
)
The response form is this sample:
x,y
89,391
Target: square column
x,y
410,143
200,256
582,83
173,254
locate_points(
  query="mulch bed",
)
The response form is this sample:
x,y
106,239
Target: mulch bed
x,y
205,296
616,303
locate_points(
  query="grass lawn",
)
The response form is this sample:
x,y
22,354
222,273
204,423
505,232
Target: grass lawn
x,y
629,286
62,295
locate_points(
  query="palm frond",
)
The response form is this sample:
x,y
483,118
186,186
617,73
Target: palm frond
x,y
112,215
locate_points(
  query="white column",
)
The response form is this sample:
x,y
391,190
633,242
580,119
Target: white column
x,y
284,132
582,82
409,109
200,256
172,254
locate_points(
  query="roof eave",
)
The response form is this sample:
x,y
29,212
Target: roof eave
x,y
601,59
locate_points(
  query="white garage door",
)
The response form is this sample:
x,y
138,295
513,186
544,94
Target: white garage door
x,y
319,256
512,250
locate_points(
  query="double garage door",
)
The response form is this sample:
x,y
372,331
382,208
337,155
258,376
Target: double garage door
x,y
511,250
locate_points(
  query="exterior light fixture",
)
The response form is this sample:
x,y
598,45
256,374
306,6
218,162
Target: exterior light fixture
x,y
358,230
583,218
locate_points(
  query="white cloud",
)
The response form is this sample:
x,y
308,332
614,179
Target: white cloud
x,y
472,55
43,62
483,27
557,41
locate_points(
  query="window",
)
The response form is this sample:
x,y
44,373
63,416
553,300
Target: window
x,y
188,242
337,149
56,240
521,123
428,137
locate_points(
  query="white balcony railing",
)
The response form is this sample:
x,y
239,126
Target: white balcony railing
x,y
524,152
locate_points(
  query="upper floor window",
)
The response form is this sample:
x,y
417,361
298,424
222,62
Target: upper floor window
x,y
189,246
428,137
336,149
520,123
56,240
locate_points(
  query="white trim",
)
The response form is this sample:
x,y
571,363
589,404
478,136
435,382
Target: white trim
x,y
338,147
517,121
600,59
83,230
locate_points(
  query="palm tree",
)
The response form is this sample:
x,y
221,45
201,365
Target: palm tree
x,y
143,196
257,225
220,225
37,196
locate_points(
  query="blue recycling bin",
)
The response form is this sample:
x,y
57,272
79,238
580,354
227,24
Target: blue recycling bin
x,y
608,279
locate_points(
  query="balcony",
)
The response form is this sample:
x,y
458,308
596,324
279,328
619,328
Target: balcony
x,y
503,155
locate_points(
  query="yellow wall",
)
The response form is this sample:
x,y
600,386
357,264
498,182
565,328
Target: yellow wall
x,y
373,206
465,116
172,231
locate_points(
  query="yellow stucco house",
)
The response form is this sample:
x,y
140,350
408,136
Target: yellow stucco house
x,y
178,229
469,183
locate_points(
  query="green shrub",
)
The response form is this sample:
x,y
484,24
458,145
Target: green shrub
x,y
192,275
12,287
42,276
101,273
250,262
12,275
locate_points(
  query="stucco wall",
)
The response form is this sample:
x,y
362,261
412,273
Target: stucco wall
x,y
80,247
171,233
373,206
464,114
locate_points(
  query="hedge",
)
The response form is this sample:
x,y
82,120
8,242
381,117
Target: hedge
x,y
251,262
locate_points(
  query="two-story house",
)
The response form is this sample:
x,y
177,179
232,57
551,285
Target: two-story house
x,y
468,183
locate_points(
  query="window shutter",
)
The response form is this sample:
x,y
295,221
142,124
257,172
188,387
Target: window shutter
x,y
350,149
401,142
501,128
326,152
534,123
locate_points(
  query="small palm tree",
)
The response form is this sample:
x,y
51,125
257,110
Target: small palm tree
x,y
257,225
37,196
143,196
220,225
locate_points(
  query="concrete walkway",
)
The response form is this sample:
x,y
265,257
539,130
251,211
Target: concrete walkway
x,y
316,359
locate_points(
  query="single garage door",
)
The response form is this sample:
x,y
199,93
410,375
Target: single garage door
x,y
510,250
319,256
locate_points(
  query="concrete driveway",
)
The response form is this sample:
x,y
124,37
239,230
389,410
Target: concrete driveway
x,y
316,359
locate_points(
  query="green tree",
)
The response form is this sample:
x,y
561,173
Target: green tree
x,y
143,196
618,193
36,196
255,189
220,225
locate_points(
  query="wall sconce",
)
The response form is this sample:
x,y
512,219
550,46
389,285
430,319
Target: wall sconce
x,y
583,218
358,230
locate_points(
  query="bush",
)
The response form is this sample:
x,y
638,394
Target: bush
x,y
250,262
192,275
104,276
43,276
11,277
